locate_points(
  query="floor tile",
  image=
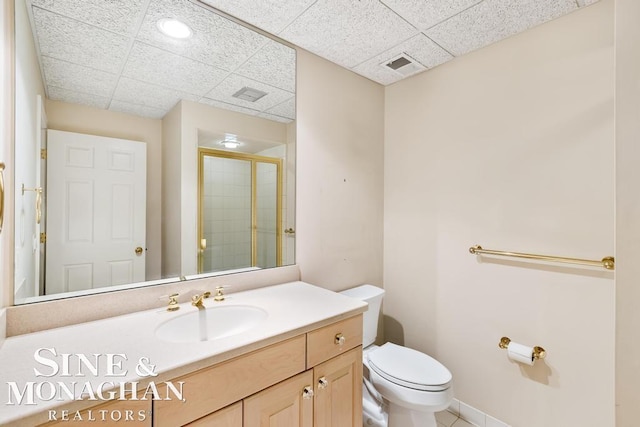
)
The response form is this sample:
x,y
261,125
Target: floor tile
x,y
446,418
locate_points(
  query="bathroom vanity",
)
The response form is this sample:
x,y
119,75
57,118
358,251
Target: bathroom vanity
x,y
300,366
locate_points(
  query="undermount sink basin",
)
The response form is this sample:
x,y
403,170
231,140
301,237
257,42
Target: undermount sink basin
x,y
206,324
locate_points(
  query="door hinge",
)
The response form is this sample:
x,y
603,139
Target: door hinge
x,y
43,154
43,237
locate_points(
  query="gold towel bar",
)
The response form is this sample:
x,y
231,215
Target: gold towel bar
x,y
606,262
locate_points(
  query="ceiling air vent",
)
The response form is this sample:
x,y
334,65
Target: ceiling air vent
x,y
404,65
249,94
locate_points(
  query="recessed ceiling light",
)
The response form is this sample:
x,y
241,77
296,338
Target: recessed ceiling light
x,y
230,141
174,28
230,144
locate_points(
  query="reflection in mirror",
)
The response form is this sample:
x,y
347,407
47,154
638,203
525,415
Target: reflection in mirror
x,y
113,113
239,210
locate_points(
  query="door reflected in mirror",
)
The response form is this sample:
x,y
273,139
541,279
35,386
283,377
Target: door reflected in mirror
x,y
86,77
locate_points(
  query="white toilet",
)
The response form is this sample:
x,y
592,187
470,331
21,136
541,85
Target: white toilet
x,y
402,387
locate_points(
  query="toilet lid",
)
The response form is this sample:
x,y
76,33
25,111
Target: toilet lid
x,y
409,368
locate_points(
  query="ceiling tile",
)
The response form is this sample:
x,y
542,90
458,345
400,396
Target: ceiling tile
x,y
225,90
425,14
78,78
493,20
275,118
587,2
119,16
270,15
286,109
72,97
137,110
420,48
141,93
215,40
226,106
348,33
64,38
153,65
274,64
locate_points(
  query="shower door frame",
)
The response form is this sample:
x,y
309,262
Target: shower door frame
x,y
254,159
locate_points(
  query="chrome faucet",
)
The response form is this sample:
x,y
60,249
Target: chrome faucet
x,y
196,300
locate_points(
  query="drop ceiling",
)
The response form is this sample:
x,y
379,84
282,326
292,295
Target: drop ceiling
x,y
109,54
364,35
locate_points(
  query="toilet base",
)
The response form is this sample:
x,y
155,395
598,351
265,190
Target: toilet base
x,y
404,417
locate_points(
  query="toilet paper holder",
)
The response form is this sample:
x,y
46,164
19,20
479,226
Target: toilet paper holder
x,y
538,352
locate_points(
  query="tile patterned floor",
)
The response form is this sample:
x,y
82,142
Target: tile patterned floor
x,y
447,419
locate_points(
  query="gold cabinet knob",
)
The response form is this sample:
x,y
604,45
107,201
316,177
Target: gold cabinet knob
x,y
323,383
339,339
139,251
307,392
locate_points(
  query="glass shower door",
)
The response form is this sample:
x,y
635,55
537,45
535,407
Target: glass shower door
x,y
240,211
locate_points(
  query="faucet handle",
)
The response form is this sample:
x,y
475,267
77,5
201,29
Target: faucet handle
x,y
173,302
196,300
219,296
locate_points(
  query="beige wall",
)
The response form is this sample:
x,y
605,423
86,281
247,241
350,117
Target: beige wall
x,y
627,213
510,147
93,121
339,196
171,192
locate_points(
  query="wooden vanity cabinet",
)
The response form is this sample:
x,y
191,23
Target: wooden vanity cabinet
x,y
338,395
287,404
220,385
312,380
231,416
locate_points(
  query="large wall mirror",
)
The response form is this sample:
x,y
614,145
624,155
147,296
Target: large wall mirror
x,y
155,141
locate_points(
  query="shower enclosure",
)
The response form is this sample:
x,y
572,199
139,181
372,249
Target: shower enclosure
x,y
239,211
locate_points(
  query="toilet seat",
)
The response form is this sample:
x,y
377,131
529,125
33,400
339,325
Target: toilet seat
x,y
409,368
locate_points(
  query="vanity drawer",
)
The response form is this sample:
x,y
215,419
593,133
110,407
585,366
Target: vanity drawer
x,y
210,389
332,340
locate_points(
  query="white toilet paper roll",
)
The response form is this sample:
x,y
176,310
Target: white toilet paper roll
x,y
520,353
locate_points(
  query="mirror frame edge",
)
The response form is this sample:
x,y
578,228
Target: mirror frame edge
x,y
8,140
7,256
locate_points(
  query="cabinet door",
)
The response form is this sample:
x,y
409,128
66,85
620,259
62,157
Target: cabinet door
x,y
287,404
231,416
338,391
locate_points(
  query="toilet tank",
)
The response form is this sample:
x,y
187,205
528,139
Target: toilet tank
x,y
373,296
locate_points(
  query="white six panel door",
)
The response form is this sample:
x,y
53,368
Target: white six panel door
x,y
96,211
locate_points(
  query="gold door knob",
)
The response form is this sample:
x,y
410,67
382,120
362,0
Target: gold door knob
x,y
323,383
139,251
339,339
307,392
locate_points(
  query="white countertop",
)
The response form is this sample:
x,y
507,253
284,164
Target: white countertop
x,y
293,308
